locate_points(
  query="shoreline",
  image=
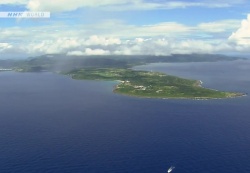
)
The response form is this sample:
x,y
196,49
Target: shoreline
x,y
180,98
199,84
124,87
237,95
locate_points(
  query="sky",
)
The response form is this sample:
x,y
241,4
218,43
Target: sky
x,y
126,27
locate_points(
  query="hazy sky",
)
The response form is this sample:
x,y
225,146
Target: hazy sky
x,y
97,27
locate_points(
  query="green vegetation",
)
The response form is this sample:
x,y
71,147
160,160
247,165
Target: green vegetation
x,y
134,83
150,84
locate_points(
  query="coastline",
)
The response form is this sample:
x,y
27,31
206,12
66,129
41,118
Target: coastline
x,y
144,84
237,95
199,83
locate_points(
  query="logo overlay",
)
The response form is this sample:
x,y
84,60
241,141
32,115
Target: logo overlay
x,y
25,14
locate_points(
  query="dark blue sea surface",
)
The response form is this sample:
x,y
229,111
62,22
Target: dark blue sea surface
x,y
50,123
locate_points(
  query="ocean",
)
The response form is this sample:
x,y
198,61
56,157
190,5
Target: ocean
x,y
50,123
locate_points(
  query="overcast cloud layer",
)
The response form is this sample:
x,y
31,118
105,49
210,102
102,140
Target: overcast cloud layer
x,y
84,27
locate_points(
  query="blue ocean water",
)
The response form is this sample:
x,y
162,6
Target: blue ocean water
x,y
50,123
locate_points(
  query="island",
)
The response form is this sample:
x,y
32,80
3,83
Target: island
x,y
151,84
131,82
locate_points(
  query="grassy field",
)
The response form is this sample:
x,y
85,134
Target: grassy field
x,y
151,84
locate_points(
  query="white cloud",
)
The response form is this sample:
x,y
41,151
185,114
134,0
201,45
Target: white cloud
x,y
164,28
139,40
89,51
122,30
164,47
116,37
112,33
142,5
5,46
14,2
60,45
137,46
9,51
70,5
219,26
242,35
192,46
99,40
76,53
13,33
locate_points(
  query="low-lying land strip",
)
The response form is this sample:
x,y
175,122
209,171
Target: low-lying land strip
x,y
151,84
